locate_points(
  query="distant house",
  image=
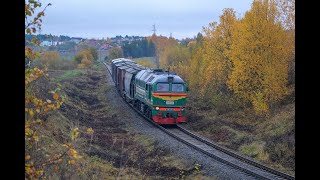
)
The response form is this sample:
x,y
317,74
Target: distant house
x,y
46,43
50,43
55,43
77,40
59,42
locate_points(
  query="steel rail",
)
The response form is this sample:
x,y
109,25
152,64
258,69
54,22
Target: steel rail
x,y
237,155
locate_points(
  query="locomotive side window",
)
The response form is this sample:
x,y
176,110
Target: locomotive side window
x,y
177,88
162,87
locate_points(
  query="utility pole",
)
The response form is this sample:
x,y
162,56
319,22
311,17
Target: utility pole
x,y
154,35
154,29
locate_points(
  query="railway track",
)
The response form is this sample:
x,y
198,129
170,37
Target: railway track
x,y
217,152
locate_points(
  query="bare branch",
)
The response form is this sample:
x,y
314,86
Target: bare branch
x,y
41,13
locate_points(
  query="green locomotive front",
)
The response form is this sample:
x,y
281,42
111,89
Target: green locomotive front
x,y
161,96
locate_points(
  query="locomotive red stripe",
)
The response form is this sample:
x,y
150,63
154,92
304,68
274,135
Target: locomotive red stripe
x,y
165,109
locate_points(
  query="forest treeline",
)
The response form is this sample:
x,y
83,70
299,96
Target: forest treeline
x,y
238,62
139,48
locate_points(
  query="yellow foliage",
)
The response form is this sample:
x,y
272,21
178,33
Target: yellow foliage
x,y
74,153
90,131
195,66
191,44
39,173
162,43
260,57
55,96
33,74
72,161
173,55
84,58
250,56
49,59
259,104
74,133
211,64
50,56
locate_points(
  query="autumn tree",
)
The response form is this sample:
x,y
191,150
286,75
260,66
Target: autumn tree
x,y
115,52
211,64
93,50
260,57
94,53
176,58
161,43
50,59
84,58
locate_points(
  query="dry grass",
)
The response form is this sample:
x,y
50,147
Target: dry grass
x,y
255,150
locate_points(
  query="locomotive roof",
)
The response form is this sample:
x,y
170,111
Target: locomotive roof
x,y
158,76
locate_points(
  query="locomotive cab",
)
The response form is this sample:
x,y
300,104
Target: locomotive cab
x,y
169,100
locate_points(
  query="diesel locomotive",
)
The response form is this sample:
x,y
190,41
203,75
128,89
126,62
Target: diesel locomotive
x,y
160,95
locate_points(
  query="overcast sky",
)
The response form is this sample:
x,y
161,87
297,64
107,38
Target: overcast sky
x,y
108,18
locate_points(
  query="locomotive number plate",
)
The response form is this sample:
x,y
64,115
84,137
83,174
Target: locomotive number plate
x,y
169,102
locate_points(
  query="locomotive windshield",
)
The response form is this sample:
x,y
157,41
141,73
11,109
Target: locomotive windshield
x,y
165,87
177,87
162,87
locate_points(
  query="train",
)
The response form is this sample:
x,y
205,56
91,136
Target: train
x,y
158,94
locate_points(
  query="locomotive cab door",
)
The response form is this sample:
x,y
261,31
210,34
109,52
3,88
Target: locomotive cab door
x,y
149,92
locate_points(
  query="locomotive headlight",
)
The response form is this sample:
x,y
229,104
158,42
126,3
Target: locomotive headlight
x,y
157,108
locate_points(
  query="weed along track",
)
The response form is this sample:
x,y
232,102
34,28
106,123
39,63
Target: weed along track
x,y
221,154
